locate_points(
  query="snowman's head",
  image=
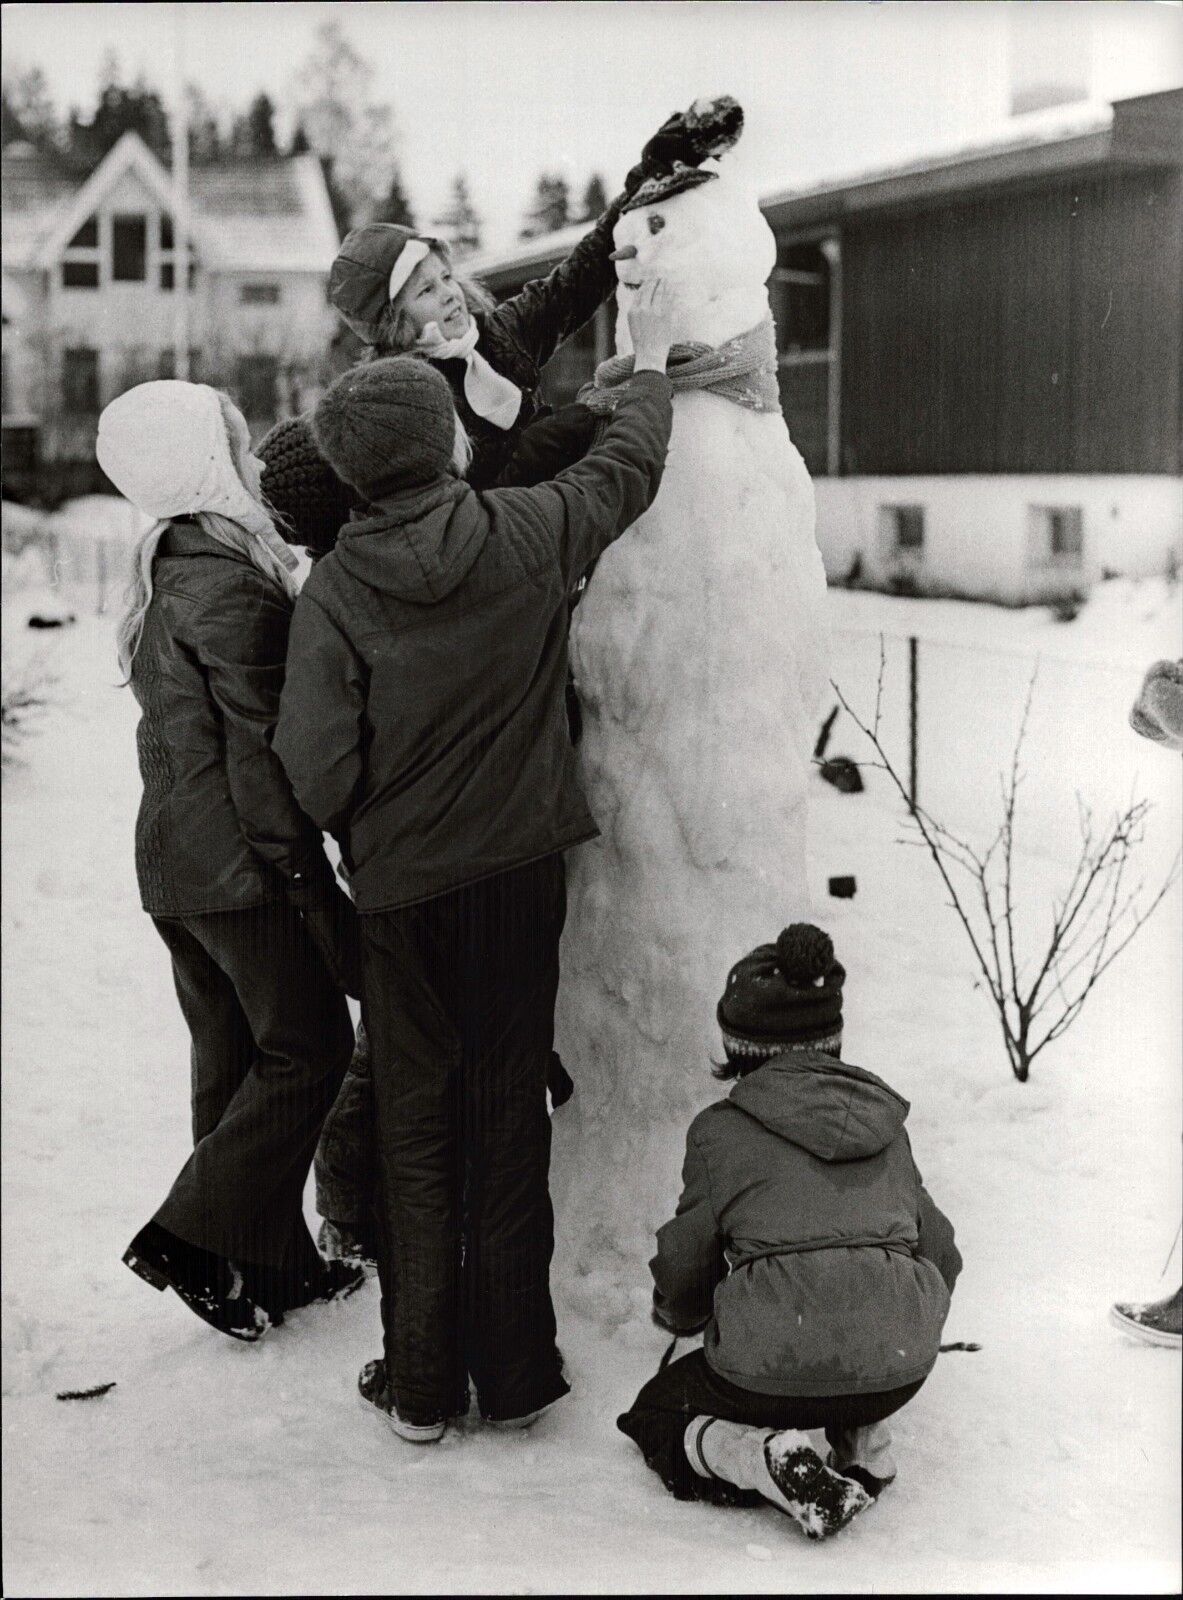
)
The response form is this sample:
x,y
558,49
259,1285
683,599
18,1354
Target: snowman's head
x,y
711,246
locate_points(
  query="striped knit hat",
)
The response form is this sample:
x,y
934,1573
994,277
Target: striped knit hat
x,y
784,996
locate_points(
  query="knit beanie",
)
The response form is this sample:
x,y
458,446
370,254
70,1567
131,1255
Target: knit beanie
x,y
387,425
301,486
784,996
371,267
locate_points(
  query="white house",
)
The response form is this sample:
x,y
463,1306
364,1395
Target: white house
x,y
88,301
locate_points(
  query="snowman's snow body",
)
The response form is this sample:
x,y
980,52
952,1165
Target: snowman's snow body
x,y
700,651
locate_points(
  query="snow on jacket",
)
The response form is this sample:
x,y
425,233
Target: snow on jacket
x,y
423,719
218,815
806,1237
517,339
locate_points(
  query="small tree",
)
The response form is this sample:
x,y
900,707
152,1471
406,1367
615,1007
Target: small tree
x,y
28,109
340,121
551,208
395,207
1036,1000
459,223
595,199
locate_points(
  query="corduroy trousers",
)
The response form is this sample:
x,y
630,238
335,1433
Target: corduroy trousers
x,y
458,1004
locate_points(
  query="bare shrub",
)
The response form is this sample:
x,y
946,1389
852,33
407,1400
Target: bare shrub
x,y
1036,999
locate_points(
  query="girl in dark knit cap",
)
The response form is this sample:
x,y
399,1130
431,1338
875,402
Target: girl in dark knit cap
x,y
400,294
807,1248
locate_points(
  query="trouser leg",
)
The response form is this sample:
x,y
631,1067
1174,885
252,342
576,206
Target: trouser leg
x,y
658,1418
416,1072
239,1194
506,934
344,1167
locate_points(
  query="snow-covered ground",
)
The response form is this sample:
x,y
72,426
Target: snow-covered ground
x,y
1047,1461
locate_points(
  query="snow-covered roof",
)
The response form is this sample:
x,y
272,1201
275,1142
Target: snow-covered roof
x,y
265,216
1081,133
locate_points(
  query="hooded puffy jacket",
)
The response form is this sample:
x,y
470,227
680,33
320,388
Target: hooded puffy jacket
x,y
806,1236
423,719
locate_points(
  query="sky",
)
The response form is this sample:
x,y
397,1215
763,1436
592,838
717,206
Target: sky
x,y
503,89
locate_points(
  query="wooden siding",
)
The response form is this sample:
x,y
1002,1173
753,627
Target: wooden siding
x,y
1036,330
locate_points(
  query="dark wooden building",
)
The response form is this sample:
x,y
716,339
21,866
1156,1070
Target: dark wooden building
x,y
980,354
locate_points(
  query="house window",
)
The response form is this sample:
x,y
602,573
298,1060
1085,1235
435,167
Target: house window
x,y
259,294
168,277
80,274
258,385
901,532
805,294
80,382
129,248
1055,536
80,259
166,367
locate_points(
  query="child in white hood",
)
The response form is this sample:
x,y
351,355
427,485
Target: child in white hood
x,y
230,870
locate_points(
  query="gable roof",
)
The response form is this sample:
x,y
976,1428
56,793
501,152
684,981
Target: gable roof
x,y
265,216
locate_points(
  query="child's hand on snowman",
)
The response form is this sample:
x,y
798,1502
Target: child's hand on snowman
x,y
650,319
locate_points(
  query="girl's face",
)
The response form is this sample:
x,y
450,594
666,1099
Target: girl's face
x,y
431,294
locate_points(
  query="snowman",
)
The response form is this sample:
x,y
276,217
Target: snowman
x,y
700,652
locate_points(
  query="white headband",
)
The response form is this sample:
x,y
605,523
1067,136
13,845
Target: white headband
x,y
412,253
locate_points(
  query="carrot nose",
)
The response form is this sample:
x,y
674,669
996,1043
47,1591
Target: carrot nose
x,y
625,253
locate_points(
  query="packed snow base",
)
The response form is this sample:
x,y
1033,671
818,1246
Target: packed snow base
x,y
1047,1460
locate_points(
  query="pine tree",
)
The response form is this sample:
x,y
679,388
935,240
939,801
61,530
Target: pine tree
x,y
395,207
206,144
261,125
595,199
299,145
138,109
459,223
551,208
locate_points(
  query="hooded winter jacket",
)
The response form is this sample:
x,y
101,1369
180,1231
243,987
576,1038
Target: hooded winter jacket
x,y
218,816
423,718
806,1237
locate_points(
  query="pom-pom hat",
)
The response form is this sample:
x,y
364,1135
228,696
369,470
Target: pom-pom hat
x,y
372,265
784,996
387,425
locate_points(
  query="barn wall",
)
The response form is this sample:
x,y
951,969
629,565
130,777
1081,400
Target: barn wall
x,y
1028,331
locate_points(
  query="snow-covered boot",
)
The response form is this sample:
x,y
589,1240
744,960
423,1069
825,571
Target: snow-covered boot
x,y
508,1424
783,1467
864,1454
1156,1322
371,1386
328,1280
337,1241
211,1286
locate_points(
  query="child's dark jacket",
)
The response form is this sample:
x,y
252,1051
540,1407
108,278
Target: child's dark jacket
x,y
423,718
805,1234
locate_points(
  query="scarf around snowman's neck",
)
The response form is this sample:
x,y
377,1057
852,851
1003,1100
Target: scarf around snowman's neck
x,y
742,369
490,395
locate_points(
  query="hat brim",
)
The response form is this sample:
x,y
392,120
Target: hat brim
x,y
668,184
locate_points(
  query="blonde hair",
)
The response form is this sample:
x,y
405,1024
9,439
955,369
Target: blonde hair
x,y
234,535
395,334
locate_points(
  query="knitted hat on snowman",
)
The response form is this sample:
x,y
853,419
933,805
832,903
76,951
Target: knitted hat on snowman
x,y
784,996
165,447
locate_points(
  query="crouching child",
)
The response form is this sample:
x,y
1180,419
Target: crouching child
x,y
807,1246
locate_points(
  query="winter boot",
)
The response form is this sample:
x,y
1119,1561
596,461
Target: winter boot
x,y
210,1285
864,1454
371,1386
338,1241
783,1467
509,1424
1158,1322
281,1291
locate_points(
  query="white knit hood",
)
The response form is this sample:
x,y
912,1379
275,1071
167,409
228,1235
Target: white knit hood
x,y
164,446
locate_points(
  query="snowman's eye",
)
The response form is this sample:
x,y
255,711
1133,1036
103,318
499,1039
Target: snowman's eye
x,y
656,223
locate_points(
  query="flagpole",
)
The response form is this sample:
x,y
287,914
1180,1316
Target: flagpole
x,y
180,187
